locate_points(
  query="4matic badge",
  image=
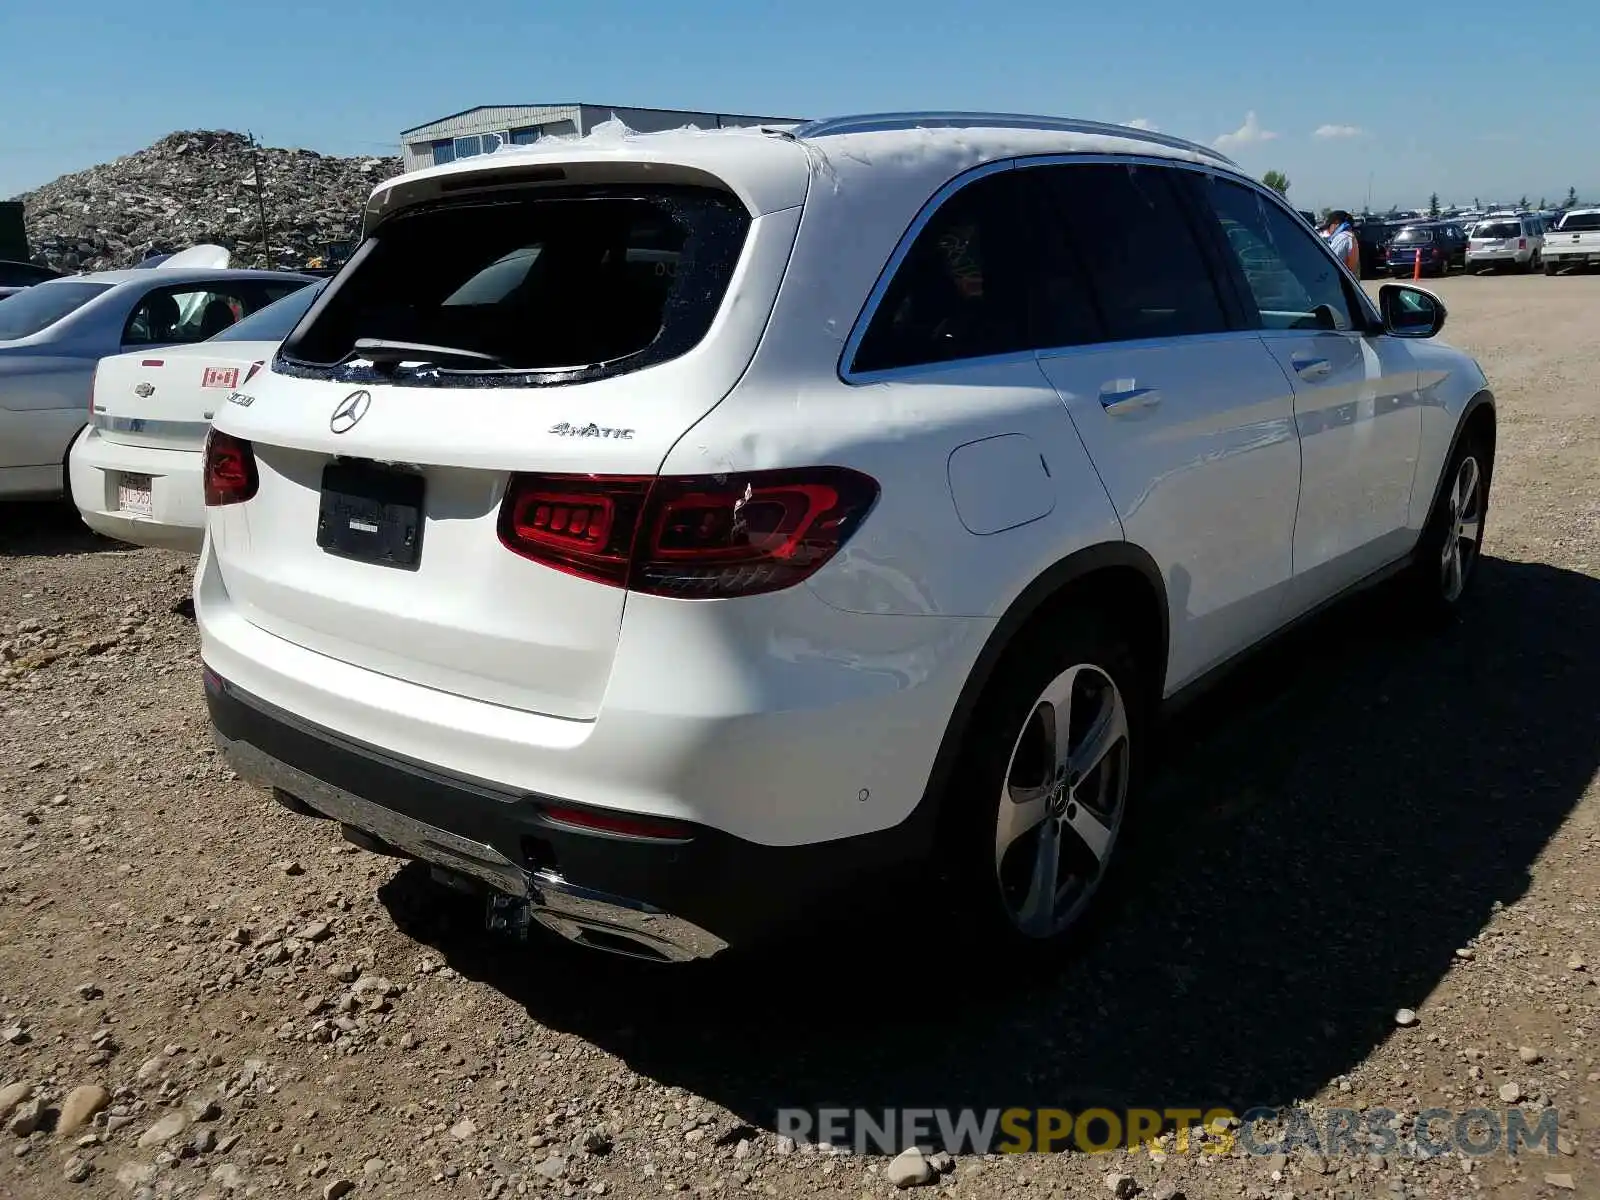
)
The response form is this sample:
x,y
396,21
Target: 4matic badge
x,y
600,431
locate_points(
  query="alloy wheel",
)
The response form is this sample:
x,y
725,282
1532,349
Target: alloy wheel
x,y
1464,529
1062,803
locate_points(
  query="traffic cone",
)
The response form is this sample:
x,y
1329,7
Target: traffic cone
x,y
1416,271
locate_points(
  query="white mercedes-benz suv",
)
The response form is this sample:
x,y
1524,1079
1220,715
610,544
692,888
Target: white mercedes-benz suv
x,y
665,533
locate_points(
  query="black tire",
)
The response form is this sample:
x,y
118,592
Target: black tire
x,y
1550,268
1426,583
997,754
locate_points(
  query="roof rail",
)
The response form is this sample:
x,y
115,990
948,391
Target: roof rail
x,y
879,122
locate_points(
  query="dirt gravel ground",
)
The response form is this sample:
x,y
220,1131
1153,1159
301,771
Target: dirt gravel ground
x,y
203,995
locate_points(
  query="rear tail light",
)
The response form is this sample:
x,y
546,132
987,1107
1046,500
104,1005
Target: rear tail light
x,y
691,537
230,469
625,824
1522,243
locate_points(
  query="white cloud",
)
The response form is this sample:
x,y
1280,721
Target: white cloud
x,y
1144,123
1339,131
1247,134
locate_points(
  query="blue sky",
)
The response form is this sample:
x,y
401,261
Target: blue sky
x,y
1471,99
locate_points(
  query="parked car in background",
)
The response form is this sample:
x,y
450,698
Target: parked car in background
x,y
662,550
1574,242
1373,235
1505,240
53,334
1435,246
14,276
136,471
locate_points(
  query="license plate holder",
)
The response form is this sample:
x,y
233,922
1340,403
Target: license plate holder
x,y
133,494
371,513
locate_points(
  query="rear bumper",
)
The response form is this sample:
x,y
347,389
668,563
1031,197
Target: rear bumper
x,y
177,498
687,896
1486,257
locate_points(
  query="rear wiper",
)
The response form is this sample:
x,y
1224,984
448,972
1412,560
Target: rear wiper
x,y
387,355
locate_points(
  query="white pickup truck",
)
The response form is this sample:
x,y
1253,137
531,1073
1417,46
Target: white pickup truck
x,y
1574,241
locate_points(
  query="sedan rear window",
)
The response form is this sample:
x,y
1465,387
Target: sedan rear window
x,y
1498,229
533,288
272,323
41,306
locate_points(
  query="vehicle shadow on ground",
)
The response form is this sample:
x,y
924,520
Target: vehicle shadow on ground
x,y
46,528
1327,830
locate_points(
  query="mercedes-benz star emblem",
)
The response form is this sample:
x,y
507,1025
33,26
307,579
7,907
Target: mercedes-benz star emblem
x,y
351,409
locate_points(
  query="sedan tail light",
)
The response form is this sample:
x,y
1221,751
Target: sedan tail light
x,y
692,537
230,469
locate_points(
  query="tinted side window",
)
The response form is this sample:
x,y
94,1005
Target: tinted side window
x,y
193,313
1129,230
1294,282
957,293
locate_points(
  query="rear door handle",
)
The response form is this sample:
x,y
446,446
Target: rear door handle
x,y
1128,399
1311,368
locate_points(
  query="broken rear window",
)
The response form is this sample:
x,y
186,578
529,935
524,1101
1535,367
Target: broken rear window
x,y
531,288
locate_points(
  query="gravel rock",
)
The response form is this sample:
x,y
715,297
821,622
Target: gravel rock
x,y
80,1106
26,1118
909,1168
1528,1054
1405,1018
1510,1092
12,1095
198,187
553,1167
76,1169
337,1189
1123,1187
132,1175
164,1130
1562,1180
228,1177
202,1108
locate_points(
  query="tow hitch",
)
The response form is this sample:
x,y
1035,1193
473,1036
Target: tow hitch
x,y
510,915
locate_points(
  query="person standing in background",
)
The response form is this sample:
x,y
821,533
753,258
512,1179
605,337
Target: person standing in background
x,y
1342,239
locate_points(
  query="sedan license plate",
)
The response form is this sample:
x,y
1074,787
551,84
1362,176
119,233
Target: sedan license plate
x,y
133,494
371,513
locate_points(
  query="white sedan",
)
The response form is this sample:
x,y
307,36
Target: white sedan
x,y
136,471
53,334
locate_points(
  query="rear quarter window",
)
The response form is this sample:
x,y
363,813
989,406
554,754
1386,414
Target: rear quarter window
x,y
40,306
532,288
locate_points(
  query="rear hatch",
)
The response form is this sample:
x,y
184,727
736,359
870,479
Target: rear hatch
x,y
1496,235
539,334
166,398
